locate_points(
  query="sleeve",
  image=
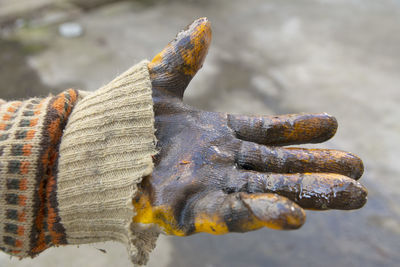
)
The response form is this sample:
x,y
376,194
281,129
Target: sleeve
x,y
69,172
30,133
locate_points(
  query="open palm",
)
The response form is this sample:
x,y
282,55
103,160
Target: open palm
x,y
220,173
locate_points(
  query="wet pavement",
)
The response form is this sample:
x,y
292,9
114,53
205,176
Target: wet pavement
x,y
267,57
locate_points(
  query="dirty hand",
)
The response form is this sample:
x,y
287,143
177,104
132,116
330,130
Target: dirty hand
x,y
220,173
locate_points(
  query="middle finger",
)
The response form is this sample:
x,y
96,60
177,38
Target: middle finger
x,y
298,160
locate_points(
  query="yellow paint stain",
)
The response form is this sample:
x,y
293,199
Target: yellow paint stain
x,y
210,224
254,223
160,215
293,220
200,39
204,223
157,60
193,52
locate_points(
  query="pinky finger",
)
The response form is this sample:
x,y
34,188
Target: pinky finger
x,y
218,213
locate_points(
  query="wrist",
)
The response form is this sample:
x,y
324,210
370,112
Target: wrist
x,y
105,151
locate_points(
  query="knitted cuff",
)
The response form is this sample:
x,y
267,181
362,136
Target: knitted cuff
x,y
105,151
30,134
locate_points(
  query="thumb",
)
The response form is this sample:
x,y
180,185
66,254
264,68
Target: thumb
x,y
175,66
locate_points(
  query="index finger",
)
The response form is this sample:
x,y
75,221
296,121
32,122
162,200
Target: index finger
x,y
284,129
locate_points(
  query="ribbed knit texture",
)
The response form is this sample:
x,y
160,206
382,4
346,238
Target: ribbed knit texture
x,y
18,173
105,152
30,133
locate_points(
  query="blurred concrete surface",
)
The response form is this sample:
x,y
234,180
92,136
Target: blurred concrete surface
x,y
267,57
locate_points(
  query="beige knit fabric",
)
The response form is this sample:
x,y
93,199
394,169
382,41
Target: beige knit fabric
x,y
105,151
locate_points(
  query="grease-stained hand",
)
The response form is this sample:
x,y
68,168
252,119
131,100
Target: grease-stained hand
x,y
219,173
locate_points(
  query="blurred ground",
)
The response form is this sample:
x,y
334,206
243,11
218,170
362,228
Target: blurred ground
x,y
267,56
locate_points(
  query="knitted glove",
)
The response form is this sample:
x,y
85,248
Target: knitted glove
x,y
220,173
214,173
